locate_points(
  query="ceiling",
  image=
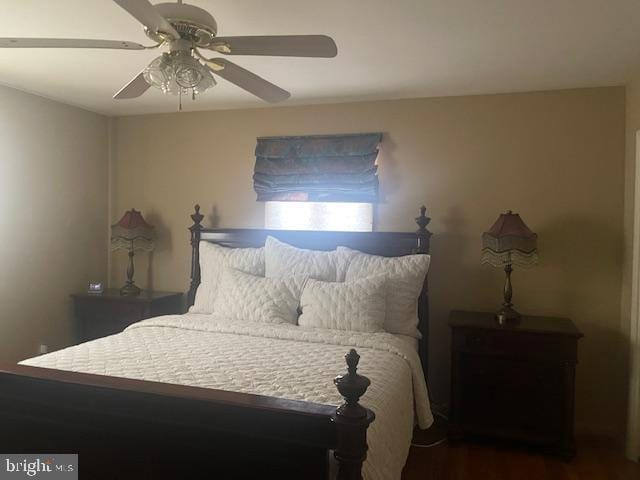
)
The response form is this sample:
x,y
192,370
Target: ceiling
x,y
399,49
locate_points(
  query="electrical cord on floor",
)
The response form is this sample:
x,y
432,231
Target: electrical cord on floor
x,y
436,434
429,445
433,436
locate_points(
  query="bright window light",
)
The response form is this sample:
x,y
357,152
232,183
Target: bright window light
x,y
331,216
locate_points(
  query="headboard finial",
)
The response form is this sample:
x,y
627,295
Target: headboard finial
x,y
423,235
196,217
422,220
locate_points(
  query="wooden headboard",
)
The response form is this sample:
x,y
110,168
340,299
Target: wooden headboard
x,y
388,244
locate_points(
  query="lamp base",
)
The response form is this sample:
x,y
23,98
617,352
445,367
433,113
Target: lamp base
x,y
130,289
507,315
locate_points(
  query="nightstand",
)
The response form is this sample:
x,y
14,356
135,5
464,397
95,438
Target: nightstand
x,y
515,381
102,314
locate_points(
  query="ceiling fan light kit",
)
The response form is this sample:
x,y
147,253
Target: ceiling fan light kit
x,y
183,69
178,73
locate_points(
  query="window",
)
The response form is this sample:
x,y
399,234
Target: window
x,y
331,216
321,182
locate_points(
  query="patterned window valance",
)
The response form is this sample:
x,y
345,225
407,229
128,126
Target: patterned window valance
x,y
323,168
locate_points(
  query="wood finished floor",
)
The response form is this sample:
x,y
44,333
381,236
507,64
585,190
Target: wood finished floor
x,y
595,460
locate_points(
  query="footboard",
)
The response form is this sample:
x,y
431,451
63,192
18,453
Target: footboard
x,y
123,428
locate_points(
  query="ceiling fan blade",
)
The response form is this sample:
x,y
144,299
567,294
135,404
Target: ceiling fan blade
x,y
133,89
148,16
67,43
247,80
278,46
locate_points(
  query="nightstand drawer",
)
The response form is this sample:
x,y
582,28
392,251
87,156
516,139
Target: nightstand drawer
x,y
521,345
105,311
488,373
516,395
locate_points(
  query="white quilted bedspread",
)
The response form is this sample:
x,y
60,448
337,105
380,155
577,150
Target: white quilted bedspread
x,y
278,360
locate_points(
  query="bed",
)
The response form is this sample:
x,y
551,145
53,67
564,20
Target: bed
x,y
178,395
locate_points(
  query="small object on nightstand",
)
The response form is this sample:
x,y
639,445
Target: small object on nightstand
x,y
514,381
109,312
95,288
132,233
509,242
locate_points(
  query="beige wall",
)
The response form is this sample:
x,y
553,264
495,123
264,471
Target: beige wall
x,y
53,185
555,157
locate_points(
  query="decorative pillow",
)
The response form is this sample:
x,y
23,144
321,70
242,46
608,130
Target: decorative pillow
x,y
405,277
245,297
283,260
359,306
213,259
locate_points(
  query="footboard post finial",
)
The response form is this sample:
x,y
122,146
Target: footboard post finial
x,y
195,230
423,235
352,420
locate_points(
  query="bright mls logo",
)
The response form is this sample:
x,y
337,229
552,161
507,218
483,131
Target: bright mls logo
x,y
49,466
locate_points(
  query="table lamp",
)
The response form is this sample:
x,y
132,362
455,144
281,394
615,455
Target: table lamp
x,y
132,233
509,242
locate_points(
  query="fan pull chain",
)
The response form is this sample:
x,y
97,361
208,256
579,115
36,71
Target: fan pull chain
x,y
180,101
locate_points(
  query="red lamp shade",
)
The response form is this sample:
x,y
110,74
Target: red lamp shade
x,y
132,232
509,241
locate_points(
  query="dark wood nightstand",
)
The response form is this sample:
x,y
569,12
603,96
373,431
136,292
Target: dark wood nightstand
x,y
102,314
514,381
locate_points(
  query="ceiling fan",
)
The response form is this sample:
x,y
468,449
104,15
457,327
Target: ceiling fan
x,y
184,69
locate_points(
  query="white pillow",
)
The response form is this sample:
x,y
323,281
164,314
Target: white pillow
x,y
405,277
213,259
358,306
283,260
245,297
